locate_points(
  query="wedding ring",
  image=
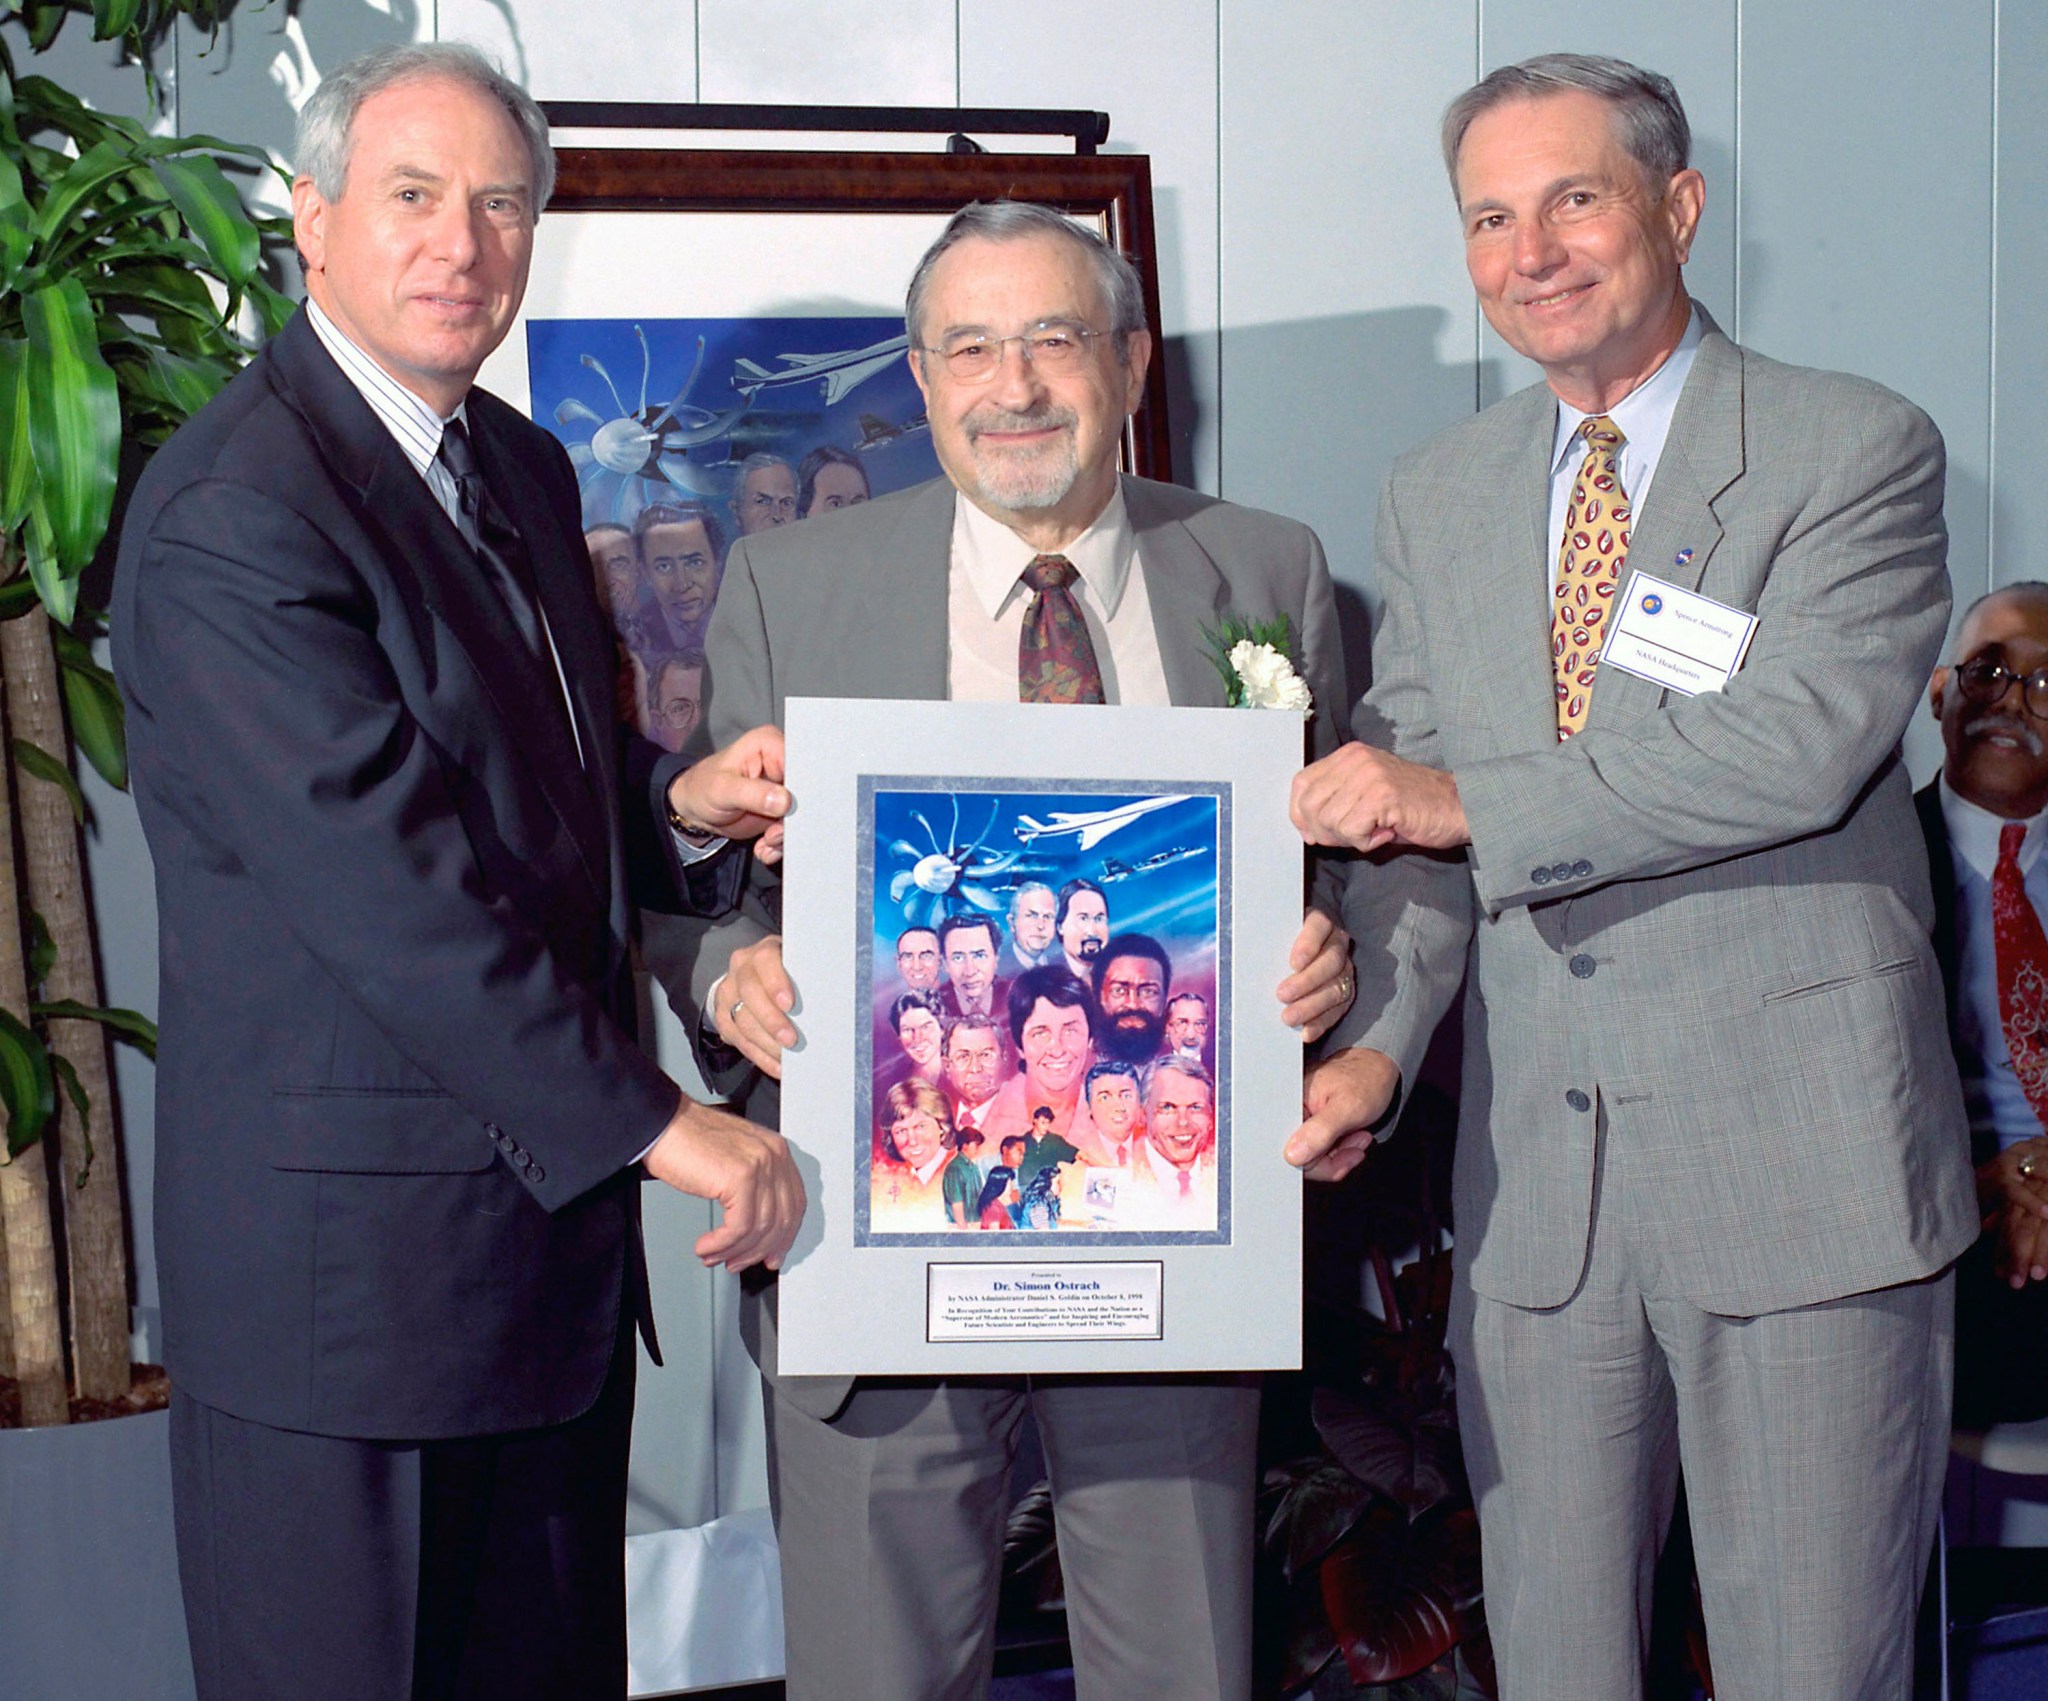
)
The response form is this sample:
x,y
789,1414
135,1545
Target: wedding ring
x,y
2026,1164
733,1015
1344,987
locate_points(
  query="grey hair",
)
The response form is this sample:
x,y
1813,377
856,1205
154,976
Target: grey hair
x,y
328,117
1010,221
1649,119
1192,1067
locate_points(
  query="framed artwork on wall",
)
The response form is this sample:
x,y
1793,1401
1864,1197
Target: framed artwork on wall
x,y
716,336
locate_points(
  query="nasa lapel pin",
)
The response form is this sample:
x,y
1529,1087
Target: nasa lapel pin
x,y
1684,555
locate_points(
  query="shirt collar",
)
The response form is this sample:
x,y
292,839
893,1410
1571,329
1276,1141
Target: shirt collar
x,y
416,426
993,556
1973,833
1643,416
1166,1171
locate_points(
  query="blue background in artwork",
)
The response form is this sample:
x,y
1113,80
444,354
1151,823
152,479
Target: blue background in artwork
x,y
1175,904
787,420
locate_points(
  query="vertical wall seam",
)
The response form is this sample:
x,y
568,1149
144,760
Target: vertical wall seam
x,y
1193,474
697,49
1735,195
1991,340
1478,319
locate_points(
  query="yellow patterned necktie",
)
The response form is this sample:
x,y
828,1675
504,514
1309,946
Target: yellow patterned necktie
x,y
1596,527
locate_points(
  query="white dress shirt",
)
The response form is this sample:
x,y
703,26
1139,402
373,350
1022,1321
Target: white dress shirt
x,y
985,603
2000,1114
1643,418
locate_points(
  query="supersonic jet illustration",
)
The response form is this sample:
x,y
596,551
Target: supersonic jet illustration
x,y
1089,827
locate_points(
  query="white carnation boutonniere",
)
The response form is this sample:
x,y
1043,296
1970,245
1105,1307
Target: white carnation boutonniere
x,y
1258,671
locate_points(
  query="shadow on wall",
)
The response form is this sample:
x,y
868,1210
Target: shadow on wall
x,y
1316,410
250,84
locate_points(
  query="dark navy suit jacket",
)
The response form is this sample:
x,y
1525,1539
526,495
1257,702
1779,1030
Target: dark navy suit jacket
x,y
398,1097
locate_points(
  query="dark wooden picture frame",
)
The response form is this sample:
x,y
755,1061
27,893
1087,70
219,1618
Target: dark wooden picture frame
x,y
1114,189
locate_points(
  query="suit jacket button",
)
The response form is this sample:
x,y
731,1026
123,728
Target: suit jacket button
x,y
1563,871
1578,1100
1582,966
1581,868
499,1137
535,1173
1539,877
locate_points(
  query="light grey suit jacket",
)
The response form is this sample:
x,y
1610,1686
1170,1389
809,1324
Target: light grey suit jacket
x,y
853,604
1704,920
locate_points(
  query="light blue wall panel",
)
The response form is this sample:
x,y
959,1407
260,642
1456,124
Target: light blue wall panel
x,y
92,70
1867,223
621,50
1151,65
250,81
2019,422
1347,321
879,53
1693,45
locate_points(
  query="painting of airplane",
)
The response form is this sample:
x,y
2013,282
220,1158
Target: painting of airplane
x,y
650,409
840,371
1114,870
1089,827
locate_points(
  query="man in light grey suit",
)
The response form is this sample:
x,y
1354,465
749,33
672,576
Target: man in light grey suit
x,y
1711,1165
1029,343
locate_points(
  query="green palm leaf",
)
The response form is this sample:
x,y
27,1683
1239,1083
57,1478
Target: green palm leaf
x,y
74,418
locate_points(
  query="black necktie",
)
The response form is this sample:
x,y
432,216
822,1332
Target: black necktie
x,y
487,531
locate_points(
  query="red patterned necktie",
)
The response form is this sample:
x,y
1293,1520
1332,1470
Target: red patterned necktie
x,y
2022,954
1589,562
1055,656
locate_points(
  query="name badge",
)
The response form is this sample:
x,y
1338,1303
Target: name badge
x,y
1676,638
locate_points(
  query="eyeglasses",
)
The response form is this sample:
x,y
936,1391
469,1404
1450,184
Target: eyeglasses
x,y
1985,682
1052,345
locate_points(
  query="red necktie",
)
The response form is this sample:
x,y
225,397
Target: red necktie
x,y
2022,953
1055,656
1187,1184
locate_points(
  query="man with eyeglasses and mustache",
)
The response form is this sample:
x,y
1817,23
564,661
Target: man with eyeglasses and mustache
x,y
1984,823
1034,571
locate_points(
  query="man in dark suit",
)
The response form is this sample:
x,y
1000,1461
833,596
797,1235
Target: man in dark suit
x,y
1984,819
1029,342
401,1115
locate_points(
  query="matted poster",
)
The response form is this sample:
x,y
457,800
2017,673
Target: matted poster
x,y
1044,1082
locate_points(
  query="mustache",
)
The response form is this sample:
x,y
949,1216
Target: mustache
x,y
1028,419
2006,724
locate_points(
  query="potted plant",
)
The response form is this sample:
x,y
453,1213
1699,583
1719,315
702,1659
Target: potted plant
x,y
129,292
1369,1544
127,262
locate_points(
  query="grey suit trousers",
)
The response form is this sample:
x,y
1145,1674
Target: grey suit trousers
x,y
1813,1442
1152,1492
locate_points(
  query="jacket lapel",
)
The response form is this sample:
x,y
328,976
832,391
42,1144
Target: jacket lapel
x,y
1703,456
1677,532
417,538
1189,597
582,641
1507,480
906,594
